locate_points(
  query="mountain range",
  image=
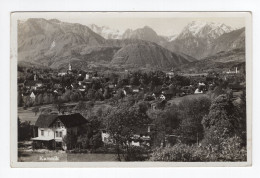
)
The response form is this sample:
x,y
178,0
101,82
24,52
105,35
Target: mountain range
x,y
54,43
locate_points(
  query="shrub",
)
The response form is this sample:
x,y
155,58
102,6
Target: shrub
x,y
228,150
136,153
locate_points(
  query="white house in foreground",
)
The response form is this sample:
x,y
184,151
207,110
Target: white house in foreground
x,y
52,128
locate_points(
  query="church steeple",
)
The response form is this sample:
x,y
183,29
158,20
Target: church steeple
x,y
35,77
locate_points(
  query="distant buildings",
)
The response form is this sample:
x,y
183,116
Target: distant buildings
x,y
233,72
170,74
142,138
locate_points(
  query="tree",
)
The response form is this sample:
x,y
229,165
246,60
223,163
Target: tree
x,y
243,113
28,101
81,106
66,96
91,94
122,123
223,121
74,97
90,105
46,99
70,140
106,93
39,99
192,112
25,130
97,140
99,95
59,105
36,110
165,122
51,98
20,100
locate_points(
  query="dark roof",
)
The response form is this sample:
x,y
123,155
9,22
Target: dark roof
x,y
45,120
72,120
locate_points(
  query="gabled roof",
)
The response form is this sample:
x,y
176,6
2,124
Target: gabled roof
x,y
72,120
45,120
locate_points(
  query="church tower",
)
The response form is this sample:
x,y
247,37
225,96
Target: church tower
x,y
35,77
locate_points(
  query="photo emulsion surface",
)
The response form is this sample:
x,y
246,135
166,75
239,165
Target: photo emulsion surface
x,y
113,87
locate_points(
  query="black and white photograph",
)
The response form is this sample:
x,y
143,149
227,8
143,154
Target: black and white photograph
x,y
132,87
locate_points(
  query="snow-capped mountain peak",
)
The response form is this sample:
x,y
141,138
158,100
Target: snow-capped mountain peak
x,y
106,31
205,29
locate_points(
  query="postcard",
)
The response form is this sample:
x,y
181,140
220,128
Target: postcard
x,y
131,89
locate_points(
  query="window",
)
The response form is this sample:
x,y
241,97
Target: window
x,y
60,134
42,132
57,134
58,124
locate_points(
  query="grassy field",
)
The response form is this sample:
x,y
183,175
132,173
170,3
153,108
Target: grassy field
x,y
91,157
26,154
41,157
64,157
29,115
177,100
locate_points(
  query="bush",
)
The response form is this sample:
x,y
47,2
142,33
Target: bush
x,y
179,152
105,149
97,141
228,150
137,153
25,130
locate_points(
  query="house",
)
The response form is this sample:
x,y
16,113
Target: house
x,y
142,137
106,139
57,86
162,97
198,91
233,72
31,84
170,74
52,128
62,74
32,96
136,90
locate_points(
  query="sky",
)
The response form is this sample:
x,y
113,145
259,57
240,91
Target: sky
x,y
164,23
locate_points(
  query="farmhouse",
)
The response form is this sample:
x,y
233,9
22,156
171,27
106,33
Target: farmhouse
x,y
52,128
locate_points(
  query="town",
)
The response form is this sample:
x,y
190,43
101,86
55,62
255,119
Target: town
x,y
128,113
